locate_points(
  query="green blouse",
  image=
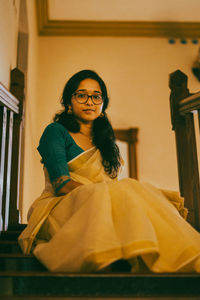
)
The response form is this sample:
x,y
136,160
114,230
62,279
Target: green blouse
x,y
56,148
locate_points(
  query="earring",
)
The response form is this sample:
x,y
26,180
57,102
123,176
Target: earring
x,y
101,115
69,111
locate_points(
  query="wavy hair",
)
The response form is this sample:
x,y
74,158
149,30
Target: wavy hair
x,y
102,132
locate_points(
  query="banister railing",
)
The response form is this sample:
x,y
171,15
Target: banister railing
x,y
183,104
8,100
10,119
190,104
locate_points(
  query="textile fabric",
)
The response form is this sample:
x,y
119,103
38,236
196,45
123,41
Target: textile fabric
x,y
105,220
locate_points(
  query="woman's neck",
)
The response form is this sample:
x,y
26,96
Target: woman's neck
x,y
86,129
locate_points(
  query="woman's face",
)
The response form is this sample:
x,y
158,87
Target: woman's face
x,y
87,112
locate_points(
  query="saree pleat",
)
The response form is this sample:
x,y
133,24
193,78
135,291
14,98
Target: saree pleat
x,y
105,220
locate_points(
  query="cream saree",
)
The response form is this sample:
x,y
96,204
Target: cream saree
x,y
105,220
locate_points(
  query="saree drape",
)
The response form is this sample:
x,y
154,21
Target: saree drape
x,y
105,220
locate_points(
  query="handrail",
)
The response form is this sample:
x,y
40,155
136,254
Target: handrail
x,y
189,104
8,100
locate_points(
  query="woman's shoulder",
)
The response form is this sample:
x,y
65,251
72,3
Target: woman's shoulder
x,y
56,128
55,132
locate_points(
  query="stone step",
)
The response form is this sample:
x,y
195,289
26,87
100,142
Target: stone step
x,y
19,262
9,235
18,227
23,277
12,233
91,298
9,247
43,284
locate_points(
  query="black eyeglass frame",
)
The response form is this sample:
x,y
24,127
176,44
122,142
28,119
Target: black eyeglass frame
x,y
88,96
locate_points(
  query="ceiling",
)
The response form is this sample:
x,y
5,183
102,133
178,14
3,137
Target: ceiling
x,y
153,18
125,10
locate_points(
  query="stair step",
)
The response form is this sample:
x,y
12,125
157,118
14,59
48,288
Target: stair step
x,y
92,298
99,285
18,227
19,262
9,247
9,235
24,277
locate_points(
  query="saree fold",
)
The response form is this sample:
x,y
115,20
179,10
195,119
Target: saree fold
x,y
105,220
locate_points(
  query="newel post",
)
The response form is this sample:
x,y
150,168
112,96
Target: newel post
x,y
183,125
17,89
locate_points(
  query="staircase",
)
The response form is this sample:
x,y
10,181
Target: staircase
x,y
23,277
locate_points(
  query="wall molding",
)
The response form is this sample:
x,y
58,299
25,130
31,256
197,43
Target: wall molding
x,y
130,136
47,27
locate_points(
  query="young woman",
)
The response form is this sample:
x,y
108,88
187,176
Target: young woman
x,y
88,221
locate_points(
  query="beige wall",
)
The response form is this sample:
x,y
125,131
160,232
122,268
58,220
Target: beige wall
x,y
136,73
31,186
9,14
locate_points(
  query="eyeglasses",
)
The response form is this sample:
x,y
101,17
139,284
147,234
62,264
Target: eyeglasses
x,y
83,98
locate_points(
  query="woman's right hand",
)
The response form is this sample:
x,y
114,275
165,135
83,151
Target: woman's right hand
x,y
68,187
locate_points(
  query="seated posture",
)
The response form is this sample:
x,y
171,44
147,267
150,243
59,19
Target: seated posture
x,y
86,220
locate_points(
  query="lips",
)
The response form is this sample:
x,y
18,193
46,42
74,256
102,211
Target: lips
x,y
88,110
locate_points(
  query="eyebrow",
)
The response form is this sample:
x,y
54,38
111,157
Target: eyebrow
x,y
84,90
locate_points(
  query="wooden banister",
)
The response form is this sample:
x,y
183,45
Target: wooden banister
x,y
17,89
189,104
182,105
10,118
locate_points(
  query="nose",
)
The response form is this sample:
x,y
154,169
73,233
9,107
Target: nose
x,y
89,101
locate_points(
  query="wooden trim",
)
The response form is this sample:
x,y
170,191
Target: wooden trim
x,y
113,28
17,89
3,122
183,125
189,104
130,137
7,170
8,100
127,135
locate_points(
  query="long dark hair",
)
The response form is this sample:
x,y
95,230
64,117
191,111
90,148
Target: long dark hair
x,y
102,131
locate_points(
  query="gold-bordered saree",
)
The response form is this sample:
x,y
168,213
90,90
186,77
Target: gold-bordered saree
x,y
104,220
